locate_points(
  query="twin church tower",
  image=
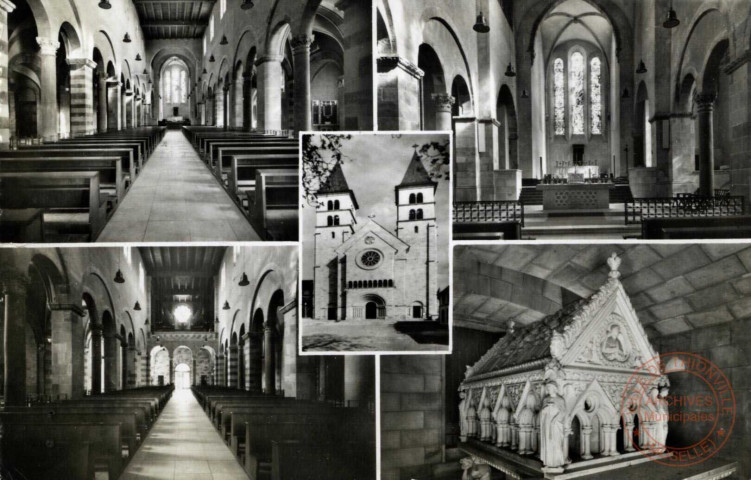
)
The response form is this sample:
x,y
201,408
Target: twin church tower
x,y
365,271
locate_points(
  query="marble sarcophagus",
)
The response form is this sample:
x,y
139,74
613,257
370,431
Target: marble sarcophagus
x,y
567,391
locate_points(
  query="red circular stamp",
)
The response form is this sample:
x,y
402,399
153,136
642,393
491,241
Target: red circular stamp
x,y
677,408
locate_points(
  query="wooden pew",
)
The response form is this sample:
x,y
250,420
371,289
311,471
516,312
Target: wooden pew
x,y
103,438
23,225
140,146
71,200
218,147
34,455
225,151
488,231
111,179
696,227
242,173
274,203
129,166
101,148
307,459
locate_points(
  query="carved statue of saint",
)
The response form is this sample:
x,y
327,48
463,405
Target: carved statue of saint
x,y
471,418
664,414
614,346
503,438
463,425
527,426
474,471
552,426
486,422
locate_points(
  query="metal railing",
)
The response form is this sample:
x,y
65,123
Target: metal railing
x,y
489,212
683,206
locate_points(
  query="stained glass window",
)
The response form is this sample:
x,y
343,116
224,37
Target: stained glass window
x,y
595,96
183,87
559,97
167,86
576,90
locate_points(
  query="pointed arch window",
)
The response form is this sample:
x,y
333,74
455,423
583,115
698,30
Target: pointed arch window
x,y
595,96
419,198
559,97
576,91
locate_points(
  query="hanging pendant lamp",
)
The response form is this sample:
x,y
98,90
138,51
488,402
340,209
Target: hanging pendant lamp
x,y
481,25
204,71
625,93
672,20
525,94
138,57
244,282
247,4
119,277
642,68
223,41
126,38
105,4
137,307
510,70
211,59
226,305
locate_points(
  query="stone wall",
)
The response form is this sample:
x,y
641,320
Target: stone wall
x,y
727,346
412,416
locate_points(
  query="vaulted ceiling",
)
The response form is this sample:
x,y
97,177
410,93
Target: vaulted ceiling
x,y
174,18
673,288
576,20
182,275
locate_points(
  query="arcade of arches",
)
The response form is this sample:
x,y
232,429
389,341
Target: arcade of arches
x,y
599,88
72,70
83,324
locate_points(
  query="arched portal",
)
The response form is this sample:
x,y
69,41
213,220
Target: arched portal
x,y
182,376
174,78
433,85
160,365
375,307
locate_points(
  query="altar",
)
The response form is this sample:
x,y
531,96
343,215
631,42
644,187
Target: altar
x,y
575,196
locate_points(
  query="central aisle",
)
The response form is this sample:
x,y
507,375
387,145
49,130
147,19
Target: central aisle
x,y
183,445
177,199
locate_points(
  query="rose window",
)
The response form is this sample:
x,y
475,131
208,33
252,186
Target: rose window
x,y
370,258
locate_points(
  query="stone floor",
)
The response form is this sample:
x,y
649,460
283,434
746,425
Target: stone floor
x,y
177,199
183,445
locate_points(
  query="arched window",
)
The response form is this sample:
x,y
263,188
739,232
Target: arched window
x,y
336,204
391,283
359,284
595,96
419,198
419,213
175,82
411,214
333,234
349,284
417,230
380,283
559,97
411,198
330,205
336,219
576,92
329,220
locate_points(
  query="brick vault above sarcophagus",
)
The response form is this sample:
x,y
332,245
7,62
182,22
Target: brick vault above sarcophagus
x,y
567,394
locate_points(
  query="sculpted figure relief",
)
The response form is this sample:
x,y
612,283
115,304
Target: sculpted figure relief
x,y
502,422
552,428
614,347
471,418
486,422
472,470
463,424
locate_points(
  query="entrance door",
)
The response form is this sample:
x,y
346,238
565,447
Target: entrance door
x,y
371,310
182,376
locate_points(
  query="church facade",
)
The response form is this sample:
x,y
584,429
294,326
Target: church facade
x,y
365,271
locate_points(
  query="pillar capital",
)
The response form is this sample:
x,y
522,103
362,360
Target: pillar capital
x,y
78,63
387,63
7,6
301,43
443,101
705,100
269,59
48,46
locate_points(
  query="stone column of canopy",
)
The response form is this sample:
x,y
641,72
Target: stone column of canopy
x,y
301,52
47,111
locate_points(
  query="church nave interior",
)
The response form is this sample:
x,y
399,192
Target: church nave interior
x,y
579,118
149,362
95,99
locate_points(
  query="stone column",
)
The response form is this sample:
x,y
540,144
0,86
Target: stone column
x,y
357,68
246,360
269,71
225,106
705,107
81,96
67,348
466,161
111,373
247,105
268,360
102,113
41,380
301,52
6,7
443,104
488,156
131,374
14,337
220,371
586,432
399,91
47,111
96,359
146,380
628,437
232,380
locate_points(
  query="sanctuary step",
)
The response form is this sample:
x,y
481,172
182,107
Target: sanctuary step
x,y
564,225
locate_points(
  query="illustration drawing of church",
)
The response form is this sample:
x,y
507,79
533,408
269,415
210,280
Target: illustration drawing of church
x,y
366,271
